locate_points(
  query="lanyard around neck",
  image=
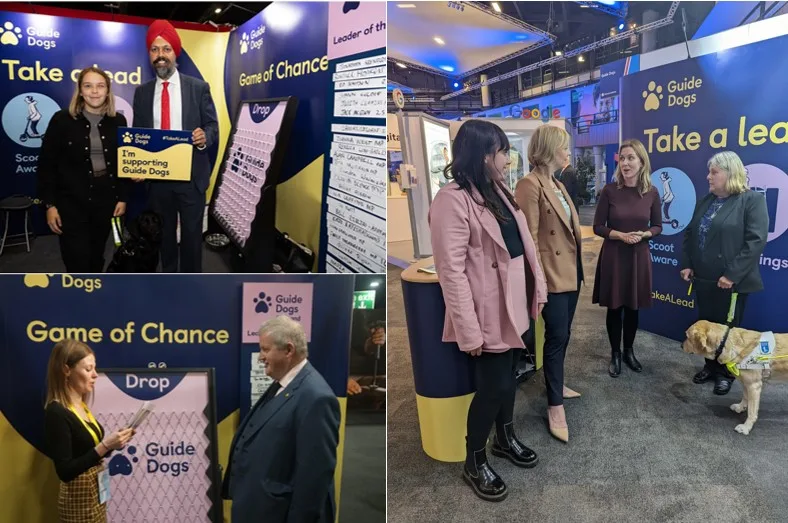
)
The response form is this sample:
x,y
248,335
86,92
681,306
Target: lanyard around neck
x,y
94,434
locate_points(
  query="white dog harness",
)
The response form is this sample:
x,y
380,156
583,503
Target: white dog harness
x,y
761,355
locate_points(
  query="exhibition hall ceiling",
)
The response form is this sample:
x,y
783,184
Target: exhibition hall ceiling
x,y
455,38
234,13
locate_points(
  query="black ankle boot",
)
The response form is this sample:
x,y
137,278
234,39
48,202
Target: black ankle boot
x,y
482,478
506,445
631,361
615,364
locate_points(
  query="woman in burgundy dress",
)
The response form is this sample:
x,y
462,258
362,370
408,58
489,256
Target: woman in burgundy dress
x,y
627,216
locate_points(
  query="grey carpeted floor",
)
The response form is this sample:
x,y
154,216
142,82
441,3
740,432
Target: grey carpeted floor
x,y
44,257
363,496
648,447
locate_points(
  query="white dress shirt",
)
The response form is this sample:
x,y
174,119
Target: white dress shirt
x,y
290,376
176,104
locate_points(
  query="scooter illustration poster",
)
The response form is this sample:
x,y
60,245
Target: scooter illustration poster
x,y
26,117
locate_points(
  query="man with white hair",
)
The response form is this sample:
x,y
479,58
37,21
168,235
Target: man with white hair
x,y
282,459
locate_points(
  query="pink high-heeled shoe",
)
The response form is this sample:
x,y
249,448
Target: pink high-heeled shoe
x,y
556,418
570,394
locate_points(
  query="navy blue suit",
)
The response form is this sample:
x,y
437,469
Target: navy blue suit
x,y
187,198
282,459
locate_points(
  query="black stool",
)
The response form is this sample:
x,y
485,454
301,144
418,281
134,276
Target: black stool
x,y
15,203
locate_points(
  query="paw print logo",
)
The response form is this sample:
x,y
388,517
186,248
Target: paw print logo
x,y
127,138
244,43
10,34
263,303
37,280
120,465
653,96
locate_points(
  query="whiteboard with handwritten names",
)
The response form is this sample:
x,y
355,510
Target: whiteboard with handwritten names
x,y
356,198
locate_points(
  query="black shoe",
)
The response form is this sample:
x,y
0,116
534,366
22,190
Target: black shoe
x,y
722,385
615,365
513,449
703,376
631,361
482,478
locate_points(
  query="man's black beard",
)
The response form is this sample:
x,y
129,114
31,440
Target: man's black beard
x,y
164,71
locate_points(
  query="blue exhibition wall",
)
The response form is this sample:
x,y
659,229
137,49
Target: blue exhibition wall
x,y
168,320
40,58
686,112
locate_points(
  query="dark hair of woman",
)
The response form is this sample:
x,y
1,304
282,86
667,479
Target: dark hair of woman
x,y
475,140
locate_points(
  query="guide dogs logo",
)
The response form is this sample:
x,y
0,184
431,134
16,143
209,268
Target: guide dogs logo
x,y
120,465
158,459
652,96
127,138
10,34
263,303
244,43
66,280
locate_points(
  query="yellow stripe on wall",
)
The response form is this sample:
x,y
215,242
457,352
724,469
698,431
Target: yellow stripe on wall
x,y
208,51
28,482
299,205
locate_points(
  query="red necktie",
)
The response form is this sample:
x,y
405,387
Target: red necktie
x,y
165,106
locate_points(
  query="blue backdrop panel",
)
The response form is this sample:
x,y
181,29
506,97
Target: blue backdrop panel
x,y
728,110
291,32
178,302
41,67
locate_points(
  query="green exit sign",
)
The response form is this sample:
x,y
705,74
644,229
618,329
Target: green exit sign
x,y
364,300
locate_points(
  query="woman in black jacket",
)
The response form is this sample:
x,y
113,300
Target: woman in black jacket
x,y
75,441
77,172
723,244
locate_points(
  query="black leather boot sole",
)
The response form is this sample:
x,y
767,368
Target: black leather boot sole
x,y
487,497
631,361
511,456
615,366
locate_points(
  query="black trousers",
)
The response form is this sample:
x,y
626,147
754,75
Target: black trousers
x,y
86,229
622,319
713,305
494,399
171,199
558,313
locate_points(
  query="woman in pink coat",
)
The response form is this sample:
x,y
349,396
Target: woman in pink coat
x,y
491,282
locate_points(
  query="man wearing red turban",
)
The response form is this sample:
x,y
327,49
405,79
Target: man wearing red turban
x,y
178,102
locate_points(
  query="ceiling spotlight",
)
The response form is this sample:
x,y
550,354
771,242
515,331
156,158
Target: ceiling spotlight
x,y
496,7
456,85
374,284
217,10
439,40
581,59
621,26
400,64
447,68
558,53
406,6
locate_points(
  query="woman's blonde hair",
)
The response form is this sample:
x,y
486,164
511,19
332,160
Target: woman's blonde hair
x,y
544,143
644,176
66,353
730,162
78,103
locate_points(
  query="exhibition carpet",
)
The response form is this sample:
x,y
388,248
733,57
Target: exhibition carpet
x,y
44,257
643,447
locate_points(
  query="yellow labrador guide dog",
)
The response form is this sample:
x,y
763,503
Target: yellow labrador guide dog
x,y
751,353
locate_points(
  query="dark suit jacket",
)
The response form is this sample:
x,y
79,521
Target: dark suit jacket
x,y
282,459
198,111
734,242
